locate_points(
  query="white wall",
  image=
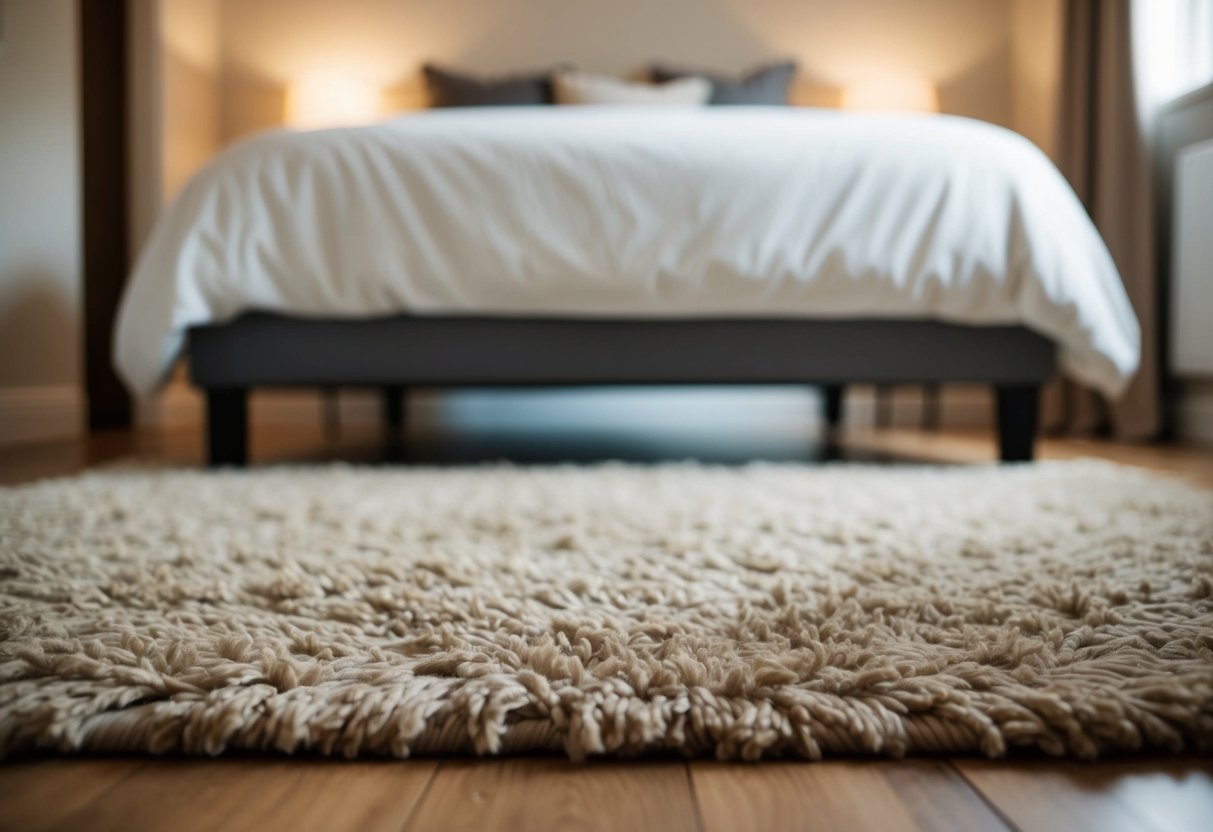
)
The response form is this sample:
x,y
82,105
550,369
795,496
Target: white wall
x,y
40,256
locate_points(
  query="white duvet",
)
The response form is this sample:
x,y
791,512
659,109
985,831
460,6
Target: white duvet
x,y
733,212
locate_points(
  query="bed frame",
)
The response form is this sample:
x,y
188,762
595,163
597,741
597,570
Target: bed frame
x,y
393,353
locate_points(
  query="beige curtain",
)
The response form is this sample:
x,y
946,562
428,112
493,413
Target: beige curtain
x,y
1105,156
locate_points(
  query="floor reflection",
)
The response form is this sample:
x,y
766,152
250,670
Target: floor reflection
x,y
637,424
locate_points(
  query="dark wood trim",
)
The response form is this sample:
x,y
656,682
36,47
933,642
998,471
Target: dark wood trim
x,y
103,119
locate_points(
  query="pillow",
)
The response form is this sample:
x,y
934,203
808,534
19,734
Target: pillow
x,y
765,85
584,88
453,89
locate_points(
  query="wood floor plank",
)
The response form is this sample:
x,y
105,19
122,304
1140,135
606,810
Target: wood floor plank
x,y
43,795
549,794
1149,795
879,795
239,794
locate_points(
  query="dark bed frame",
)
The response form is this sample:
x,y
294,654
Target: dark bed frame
x,y
394,353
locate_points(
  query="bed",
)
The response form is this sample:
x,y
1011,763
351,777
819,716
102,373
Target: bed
x,y
615,245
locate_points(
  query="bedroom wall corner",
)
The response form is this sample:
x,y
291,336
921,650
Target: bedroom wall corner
x,y
175,130
175,88
190,32
41,394
146,140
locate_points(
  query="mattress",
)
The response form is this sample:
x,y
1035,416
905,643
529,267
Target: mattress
x,y
618,212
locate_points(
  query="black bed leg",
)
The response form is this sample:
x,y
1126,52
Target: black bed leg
x,y
832,404
395,402
1018,408
227,426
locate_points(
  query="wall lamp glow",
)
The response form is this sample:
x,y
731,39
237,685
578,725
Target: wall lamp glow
x,y
332,99
892,94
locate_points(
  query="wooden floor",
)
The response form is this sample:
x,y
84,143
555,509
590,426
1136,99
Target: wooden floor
x,y
549,793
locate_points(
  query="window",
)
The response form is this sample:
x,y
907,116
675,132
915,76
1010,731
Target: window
x,y
1173,48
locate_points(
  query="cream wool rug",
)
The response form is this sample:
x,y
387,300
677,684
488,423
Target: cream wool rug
x,y
761,611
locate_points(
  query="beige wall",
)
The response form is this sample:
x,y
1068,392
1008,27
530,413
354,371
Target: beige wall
x,y
40,286
222,68
145,95
963,46
174,90
1036,70
190,37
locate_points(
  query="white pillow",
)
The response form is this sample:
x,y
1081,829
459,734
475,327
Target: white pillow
x,y
586,88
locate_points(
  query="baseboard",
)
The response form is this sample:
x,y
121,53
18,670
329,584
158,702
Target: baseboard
x,y
961,406
39,414
1194,413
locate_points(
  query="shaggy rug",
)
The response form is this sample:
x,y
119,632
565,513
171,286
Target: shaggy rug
x,y
738,612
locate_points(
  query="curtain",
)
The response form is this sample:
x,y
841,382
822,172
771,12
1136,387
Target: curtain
x,y
1104,152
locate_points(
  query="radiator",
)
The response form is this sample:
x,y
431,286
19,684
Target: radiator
x,y
1192,274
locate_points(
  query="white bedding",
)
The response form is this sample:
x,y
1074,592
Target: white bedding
x,y
744,212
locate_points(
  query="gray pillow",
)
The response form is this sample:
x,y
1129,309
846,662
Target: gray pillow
x,y
765,85
454,89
